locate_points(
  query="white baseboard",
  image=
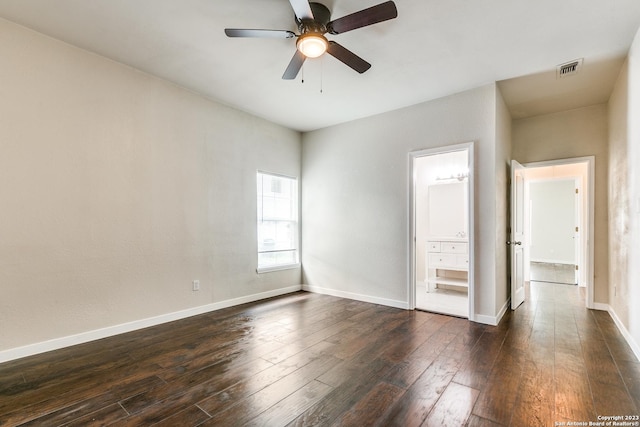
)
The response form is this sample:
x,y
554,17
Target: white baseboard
x,y
503,310
358,297
553,261
84,337
627,336
493,320
623,330
600,306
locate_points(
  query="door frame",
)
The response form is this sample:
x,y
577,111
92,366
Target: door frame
x,y
411,232
588,239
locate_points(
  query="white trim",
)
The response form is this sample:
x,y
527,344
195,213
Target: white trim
x,y
411,231
487,320
494,320
627,336
503,310
600,306
84,337
281,175
358,297
552,261
261,270
471,203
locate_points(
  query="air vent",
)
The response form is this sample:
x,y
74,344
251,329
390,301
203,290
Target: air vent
x,y
568,69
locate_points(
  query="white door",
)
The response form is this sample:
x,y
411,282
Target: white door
x,y
517,234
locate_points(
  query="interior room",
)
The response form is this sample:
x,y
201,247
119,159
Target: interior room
x,y
193,208
553,219
442,232
558,219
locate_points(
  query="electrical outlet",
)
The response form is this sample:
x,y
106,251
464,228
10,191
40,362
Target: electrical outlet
x,y
195,285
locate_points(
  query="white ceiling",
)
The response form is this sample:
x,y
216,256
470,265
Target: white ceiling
x,y
434,48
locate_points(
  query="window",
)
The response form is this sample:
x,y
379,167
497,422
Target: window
x,y
277,222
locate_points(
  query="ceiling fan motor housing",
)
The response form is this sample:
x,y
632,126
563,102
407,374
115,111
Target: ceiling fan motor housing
x,y
321,17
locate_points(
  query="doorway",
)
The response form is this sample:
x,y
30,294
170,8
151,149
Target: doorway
x,y
558,210
554,229
441,195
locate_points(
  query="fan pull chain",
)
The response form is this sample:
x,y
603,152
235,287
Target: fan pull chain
x,y
302,73
321,72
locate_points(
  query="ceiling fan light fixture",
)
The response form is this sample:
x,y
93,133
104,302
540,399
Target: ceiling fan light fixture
x,y
312,45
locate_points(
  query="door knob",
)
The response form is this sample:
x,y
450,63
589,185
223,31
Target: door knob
x,y
515,243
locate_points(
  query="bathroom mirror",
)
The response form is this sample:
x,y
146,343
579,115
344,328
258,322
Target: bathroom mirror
x,y
448,210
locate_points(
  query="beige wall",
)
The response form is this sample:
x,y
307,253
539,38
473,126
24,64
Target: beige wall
x,y
355,197
118,189
502,197
569,134
619,198
633,162
624,196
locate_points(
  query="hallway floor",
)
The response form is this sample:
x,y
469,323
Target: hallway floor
x,y
553,273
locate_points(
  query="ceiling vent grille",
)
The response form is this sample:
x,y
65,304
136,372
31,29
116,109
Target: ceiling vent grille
x,y
568,69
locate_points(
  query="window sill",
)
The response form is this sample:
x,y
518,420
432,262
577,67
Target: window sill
x,y
261,270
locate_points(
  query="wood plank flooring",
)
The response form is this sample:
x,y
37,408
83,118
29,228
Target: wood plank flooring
x,y
307,359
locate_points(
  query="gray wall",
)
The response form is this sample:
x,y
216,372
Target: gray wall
x,y
553,221
117,190
355,198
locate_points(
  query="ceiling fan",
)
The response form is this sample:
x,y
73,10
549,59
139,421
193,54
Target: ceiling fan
x,y
314,21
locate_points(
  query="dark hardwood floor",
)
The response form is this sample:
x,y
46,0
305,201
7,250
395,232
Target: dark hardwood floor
x,y
307,359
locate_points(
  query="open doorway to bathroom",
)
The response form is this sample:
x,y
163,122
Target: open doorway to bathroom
x,y
442,232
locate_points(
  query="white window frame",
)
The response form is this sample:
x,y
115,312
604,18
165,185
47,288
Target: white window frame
x,y
294,219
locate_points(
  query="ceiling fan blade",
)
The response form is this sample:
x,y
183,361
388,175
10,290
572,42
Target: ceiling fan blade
x,y
347,57
294,66
270,34
302,9
373,15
